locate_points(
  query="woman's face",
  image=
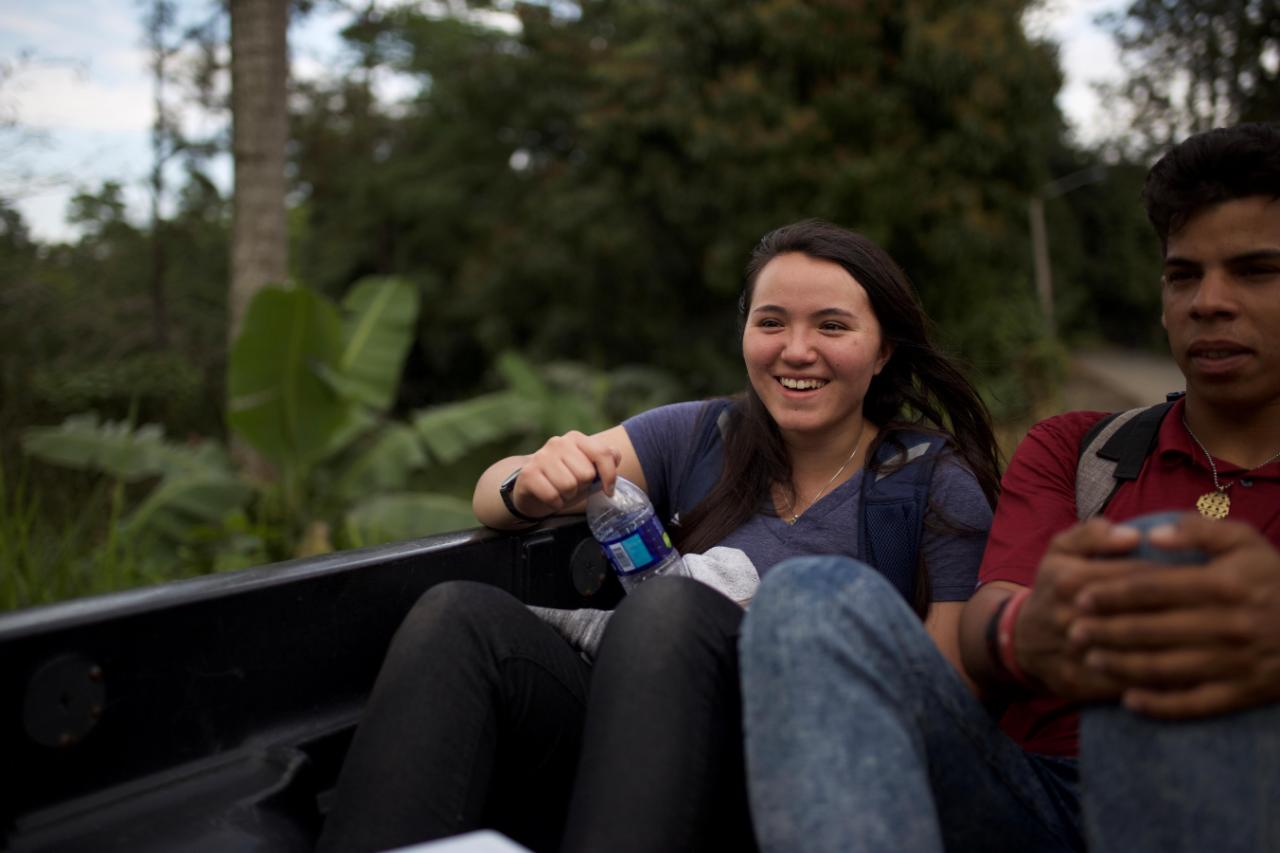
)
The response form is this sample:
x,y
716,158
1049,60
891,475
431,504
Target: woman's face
x,y
811,345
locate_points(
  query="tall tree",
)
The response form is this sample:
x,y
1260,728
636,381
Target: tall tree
x,y
259,84
165,143
1196,64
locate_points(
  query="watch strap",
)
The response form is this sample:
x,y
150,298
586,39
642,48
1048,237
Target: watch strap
x,y
508,486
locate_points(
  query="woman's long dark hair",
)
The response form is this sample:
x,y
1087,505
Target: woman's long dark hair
x,y
920,388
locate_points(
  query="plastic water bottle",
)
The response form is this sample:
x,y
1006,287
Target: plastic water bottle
x,y
631,535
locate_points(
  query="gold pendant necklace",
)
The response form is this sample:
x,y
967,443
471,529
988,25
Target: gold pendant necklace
x,y
1217,504
795,516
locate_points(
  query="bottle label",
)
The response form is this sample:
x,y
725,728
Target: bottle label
x,y
638,550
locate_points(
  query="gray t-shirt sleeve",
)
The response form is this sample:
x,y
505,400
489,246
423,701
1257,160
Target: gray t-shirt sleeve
x,y
662,438
955,531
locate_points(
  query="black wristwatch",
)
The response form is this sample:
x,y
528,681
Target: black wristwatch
x,y
508,486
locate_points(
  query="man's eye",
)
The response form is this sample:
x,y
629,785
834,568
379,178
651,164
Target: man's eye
x,y
1259,271
1179,276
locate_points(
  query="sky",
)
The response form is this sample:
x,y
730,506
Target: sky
x,y
75,81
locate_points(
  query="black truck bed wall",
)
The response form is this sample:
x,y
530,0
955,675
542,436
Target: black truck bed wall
x,y
214,713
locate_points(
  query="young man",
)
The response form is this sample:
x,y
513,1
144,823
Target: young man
x,y
860,737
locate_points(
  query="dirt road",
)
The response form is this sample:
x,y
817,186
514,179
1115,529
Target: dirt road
x,y
1110,379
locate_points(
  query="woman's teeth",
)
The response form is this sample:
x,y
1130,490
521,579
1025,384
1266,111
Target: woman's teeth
x,y
801,384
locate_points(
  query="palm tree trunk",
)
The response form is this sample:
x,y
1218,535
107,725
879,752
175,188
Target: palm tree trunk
x,y
259,84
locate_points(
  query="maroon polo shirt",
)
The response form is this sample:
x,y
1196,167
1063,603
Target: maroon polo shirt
x,y
1038,501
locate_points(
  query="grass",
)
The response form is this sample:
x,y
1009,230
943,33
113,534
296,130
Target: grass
x,y
48,556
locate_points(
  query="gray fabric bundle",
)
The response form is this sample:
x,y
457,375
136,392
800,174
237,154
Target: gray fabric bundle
x,y
726,570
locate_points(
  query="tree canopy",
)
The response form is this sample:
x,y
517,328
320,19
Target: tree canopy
x,y
630,154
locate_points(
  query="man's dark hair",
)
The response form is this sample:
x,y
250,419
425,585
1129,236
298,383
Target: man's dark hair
x,y
1209,168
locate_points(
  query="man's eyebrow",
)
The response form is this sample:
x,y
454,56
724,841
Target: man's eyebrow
x,y
1260,255
1243,258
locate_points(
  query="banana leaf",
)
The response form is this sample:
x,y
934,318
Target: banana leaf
x,y
118,449
385,465
379,318
278,400
184,502
407,515
450,431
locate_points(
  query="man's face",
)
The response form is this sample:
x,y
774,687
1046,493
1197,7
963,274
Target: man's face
x,y
1221,301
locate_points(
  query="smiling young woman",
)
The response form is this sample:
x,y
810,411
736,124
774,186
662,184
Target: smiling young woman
x,y
641,748
812,345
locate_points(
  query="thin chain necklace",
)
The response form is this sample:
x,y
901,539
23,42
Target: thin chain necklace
x,y
1217,504
795,516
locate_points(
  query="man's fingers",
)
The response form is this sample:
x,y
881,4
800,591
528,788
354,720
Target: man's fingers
x,y
1163,629
1096,537
1169,668
1158,588
1213,536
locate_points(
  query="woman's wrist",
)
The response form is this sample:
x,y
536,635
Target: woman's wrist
x,y
506,490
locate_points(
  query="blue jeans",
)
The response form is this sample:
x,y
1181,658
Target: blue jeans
x,y
861,736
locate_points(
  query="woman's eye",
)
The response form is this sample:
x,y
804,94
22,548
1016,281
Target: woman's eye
x,y
770,323
833,327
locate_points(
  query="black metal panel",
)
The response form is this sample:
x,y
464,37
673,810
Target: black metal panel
x,y
215,673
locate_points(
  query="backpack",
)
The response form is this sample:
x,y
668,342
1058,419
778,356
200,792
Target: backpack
x,y
1112,453
893,502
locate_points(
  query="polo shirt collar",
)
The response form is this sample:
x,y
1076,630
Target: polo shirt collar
x,y
1174,445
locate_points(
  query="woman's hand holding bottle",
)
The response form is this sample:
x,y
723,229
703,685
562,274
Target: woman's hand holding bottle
x,y
558,476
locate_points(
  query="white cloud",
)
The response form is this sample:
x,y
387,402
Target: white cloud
x,y
65,98
1088,57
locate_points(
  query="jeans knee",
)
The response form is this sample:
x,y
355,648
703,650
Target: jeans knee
x,y
665,620
802,599
453,611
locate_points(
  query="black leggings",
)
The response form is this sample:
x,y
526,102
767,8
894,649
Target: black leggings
x,y
482,716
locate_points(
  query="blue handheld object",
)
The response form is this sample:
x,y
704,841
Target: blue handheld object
x,y
1147,551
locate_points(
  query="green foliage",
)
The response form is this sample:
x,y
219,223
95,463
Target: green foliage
x,y
583,192
590,186
278,398
117,449
50,555
378,326
155,378
1193,65
302,375
196,490
1106,261
394,517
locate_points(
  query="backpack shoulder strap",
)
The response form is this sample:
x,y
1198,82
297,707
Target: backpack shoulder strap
x,y
894,500
1113,452
704,461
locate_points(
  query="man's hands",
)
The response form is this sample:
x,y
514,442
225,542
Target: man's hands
x,y
1077,557
1168,641
560,473
1188,641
